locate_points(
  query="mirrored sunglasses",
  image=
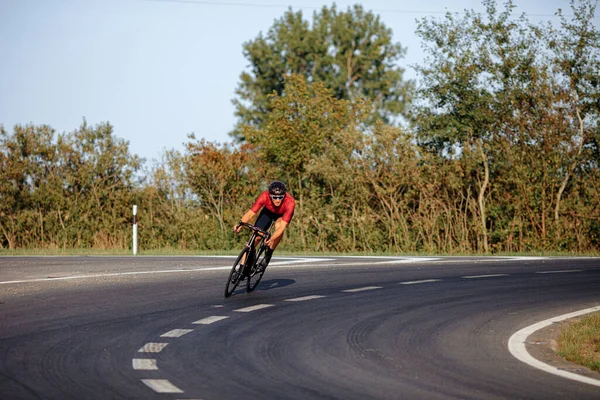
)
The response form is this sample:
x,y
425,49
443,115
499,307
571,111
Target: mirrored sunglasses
x,y
277,197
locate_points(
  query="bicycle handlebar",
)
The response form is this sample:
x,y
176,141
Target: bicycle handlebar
x,y
254,228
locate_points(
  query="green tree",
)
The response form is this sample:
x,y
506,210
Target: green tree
x,y
575,54
100,178
28,183
220,178
66,190
351,53
505,100
387,166
304,120
464,77
169,214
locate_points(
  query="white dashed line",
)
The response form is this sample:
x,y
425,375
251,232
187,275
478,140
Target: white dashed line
x,y
153,347
177,333
559,272
144,364
417,282
305,298
164,386
209,320
254,308
161,386
362,289
483,276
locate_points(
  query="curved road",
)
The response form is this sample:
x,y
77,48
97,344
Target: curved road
x,y
317,328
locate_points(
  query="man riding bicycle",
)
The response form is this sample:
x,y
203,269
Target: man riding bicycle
x,y
277,206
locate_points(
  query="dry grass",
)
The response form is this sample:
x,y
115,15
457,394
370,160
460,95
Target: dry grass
x,y
580,342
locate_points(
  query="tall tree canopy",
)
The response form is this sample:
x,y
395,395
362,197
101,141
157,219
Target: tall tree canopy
x,y
516,105
351,53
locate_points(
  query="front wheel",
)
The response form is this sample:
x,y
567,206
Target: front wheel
x,y
256,275
236,274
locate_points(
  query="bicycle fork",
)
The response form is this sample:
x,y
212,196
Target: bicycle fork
x,y
249,261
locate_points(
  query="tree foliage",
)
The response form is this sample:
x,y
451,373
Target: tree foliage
x,y
505,99
351,53
502,155
67,190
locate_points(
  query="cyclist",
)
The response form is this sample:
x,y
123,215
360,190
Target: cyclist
x,y
278,207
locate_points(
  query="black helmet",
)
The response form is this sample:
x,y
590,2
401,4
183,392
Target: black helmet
x,y
277,188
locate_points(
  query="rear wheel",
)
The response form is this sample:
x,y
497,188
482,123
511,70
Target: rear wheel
x,y
236,274
255,275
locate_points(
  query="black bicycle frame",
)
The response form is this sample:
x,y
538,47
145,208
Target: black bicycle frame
x,y
256,231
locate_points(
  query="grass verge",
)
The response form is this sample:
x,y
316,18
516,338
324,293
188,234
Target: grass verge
x,y
580,342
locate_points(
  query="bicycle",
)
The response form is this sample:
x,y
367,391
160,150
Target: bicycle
x,y
249,270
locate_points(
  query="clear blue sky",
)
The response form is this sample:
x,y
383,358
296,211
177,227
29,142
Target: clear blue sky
x,y
158,70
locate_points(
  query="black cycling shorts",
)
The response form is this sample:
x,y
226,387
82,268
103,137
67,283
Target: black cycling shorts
x,y
266,218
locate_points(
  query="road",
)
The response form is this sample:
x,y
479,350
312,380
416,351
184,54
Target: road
x,y
316,328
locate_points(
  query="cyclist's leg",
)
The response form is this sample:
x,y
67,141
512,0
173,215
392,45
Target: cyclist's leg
x,y
269,252
248,256
264,221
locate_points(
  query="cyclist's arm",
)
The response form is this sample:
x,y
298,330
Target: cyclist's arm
x,y
245,218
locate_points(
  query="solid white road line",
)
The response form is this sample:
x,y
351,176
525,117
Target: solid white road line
x,y
168,271
566,271
209,320
145,364
361,289
516,346
417,282
161,386
177,333
305,298
371,263
483,276
152,347
298,261
285,262
407,260
253,308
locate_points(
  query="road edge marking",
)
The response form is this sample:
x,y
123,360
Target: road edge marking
x,y
516,346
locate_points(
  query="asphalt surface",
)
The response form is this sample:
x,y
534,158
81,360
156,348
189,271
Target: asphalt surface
x,y
316,328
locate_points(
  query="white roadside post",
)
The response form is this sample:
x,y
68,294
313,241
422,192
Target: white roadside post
x,y
134,230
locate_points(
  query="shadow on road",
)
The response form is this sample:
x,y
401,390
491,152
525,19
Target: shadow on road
x,y
270,284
